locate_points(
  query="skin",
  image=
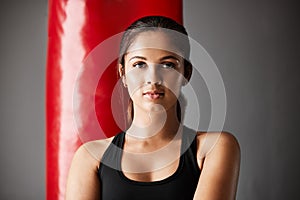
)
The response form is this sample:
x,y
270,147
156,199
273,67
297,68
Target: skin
x,y
157,69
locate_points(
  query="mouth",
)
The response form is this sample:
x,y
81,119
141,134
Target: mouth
x,y
154,94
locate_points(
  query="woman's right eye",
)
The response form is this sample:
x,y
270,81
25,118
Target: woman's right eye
x,y
139,65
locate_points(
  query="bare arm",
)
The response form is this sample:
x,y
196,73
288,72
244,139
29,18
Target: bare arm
x,y
220,170
83,183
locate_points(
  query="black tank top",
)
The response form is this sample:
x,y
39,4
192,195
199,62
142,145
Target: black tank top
x,y
179,186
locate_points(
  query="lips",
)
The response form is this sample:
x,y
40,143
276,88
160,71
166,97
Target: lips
x,y
153,94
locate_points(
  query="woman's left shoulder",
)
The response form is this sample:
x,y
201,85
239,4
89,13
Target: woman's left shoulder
x,y
217,144
218,156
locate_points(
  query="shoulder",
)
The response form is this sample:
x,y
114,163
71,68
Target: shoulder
x,y
83,179
219,161
91,152
217,145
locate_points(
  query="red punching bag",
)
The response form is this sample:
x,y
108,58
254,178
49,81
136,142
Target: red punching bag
x,y
78,99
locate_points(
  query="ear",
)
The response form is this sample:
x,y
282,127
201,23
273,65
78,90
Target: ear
x,y
121,70
188,69
122,74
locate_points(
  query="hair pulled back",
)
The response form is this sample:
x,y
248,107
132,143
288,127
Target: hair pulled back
x,y
157,23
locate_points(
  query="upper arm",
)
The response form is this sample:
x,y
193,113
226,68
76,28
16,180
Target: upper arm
x,y
83,182
220,169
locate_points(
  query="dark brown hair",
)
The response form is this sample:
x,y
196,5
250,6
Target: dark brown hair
x,y
155,23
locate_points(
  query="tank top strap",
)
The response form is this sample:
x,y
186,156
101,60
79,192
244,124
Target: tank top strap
x,y
189,149
188,140
119,140
113,154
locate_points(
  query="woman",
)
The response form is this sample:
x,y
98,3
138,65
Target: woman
x,y
156,157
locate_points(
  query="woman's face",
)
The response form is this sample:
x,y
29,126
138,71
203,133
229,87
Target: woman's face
x,y
153,70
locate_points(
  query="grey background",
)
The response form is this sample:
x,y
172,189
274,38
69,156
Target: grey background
x,y
256,47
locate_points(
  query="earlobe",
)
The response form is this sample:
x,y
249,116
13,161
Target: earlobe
x,y
124,81
184,82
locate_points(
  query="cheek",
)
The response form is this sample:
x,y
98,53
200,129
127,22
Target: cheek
x,y
134,81
173,81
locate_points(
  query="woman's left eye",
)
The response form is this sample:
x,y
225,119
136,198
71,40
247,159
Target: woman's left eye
x,y
168,65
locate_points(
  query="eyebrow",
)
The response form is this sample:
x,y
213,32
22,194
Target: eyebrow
x,y
163,58
137,57
169,57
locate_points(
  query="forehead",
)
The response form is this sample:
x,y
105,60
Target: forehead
x,y
154,40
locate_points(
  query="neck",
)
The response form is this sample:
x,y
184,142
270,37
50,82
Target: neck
x,y
157,123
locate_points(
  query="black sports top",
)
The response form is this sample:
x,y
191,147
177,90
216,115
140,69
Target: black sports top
x,y
179,186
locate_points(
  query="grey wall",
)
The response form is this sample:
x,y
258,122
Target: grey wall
x,y
256,47
22,81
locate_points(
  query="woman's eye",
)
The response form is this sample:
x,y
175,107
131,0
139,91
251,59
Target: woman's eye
x,y
168,65
139,65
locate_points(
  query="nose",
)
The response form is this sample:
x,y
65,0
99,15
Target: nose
x,y
153,75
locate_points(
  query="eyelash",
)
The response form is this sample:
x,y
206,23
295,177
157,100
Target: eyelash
x,y
139,64
169,65
166,65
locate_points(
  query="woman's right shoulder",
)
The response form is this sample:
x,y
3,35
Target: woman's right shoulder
x,y
93,150
82,178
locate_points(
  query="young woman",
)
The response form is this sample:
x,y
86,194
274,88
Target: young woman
x,y
156,157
